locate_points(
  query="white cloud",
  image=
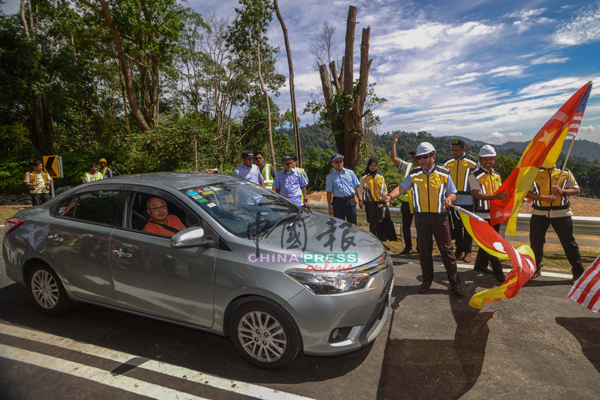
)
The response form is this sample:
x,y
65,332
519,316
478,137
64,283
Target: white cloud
x,y
496,135
525,19
585,28
515,134
525,14
550,59
588,128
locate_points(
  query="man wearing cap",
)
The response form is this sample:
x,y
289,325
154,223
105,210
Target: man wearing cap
x,y
291,183
551,192
460,166
250,172
104,170
93,175
266,170
484,182
342,185
432,191
406,207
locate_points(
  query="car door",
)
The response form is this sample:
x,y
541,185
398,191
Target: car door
x,y
78,242
152,277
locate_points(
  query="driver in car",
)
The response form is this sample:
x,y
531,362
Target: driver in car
x,y
161,222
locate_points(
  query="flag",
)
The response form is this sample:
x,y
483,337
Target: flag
x,y
586,291
488,239
542,151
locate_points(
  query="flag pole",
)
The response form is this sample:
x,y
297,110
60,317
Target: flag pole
x,y
565,163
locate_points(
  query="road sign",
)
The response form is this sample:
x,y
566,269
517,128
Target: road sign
x,y
53,165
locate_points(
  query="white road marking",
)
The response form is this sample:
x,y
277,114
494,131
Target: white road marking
x,y
230,385
93,374
470,266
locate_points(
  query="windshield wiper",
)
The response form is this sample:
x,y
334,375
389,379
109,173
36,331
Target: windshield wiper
x,y
271,228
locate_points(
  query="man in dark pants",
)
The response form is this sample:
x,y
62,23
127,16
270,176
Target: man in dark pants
x,y
38,182
342,185
550,193
406,208
484,182
460,166
432,190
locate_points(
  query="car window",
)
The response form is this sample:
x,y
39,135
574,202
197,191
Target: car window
x,y
241,207
67,207
96,206
173,214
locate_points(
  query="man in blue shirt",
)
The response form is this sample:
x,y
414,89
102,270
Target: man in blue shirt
x,y
432,190
290,183
342,185
250,172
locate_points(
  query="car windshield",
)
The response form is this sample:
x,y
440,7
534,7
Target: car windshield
x,y
243,208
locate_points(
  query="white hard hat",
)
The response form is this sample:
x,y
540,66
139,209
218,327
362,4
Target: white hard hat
x,y
487,151
425,148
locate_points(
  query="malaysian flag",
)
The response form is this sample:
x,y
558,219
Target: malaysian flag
x,y
586,291
576,122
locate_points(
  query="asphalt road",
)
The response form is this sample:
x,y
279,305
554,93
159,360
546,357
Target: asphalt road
x,y
539,345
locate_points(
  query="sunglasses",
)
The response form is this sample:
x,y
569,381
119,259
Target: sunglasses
x,y
338,161
423,157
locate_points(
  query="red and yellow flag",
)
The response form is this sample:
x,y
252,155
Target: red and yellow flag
x,y
488,239
542,151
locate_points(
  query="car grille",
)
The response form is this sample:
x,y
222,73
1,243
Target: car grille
x,y
379,264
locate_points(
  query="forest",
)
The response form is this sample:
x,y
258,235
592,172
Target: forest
x,y
144,83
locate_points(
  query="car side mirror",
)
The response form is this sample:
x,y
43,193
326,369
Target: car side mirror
x,y
191,237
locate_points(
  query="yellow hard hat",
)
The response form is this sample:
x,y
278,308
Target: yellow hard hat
x,y
102,160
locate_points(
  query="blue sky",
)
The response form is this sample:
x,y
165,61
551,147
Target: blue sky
x,y
488,70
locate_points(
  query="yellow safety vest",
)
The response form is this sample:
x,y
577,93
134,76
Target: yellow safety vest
x,y
374,183
429,192
407,196
33,178
266,173
490,182
460,169
542,185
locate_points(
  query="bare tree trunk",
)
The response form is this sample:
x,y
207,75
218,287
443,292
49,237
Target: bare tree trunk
x,y
262,86
23,18
105,12
349,53
292,89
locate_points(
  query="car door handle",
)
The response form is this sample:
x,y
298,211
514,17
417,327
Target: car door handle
x,y
121,254
56,238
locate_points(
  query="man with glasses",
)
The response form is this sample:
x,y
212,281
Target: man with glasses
x,y
266,170
160,218
432,191
342,185
290,183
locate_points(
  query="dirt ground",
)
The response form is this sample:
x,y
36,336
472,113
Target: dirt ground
x,y
8,211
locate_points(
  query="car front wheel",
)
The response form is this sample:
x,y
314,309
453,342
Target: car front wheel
x,y
46,290
265,334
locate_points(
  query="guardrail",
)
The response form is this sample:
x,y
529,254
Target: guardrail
x,y
581,225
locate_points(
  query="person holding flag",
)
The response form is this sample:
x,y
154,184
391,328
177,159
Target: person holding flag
x,y
551,192
484,182
432,191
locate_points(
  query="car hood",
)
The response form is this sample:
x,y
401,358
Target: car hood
x,y
321,234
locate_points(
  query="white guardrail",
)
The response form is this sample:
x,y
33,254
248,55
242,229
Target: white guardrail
x,y
581,225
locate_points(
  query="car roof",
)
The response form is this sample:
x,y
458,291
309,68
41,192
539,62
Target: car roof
x,y
176,180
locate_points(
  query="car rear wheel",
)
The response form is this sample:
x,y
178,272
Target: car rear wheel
x,y
47,291
265,334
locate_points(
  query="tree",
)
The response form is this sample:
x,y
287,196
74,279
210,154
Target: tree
x,y
324,50
292,90
345,106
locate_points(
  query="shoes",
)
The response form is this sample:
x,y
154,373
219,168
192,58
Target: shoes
x,y
405,251
468,258
458,254
457,291
424,287
501,278
537,273
574,279
485,270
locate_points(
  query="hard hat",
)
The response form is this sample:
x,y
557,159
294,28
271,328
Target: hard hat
x,y
487,151
102,160
425,148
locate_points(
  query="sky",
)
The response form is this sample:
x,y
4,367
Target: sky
x,y
487,70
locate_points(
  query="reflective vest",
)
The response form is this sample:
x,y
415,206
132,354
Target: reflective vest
x,y
429,193
301,170
407,196
265,171
91,178
460,169
374,183
33,177
490,182
542,185
104,172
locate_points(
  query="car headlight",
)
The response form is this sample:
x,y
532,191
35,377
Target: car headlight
x,y
329,282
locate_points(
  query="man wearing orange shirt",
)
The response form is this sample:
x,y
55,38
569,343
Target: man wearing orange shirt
x,y
159,215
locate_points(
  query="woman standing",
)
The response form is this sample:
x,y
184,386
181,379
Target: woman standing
x,y
370,182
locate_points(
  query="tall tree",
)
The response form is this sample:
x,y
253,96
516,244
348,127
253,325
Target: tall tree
x,y
292,89
345,106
